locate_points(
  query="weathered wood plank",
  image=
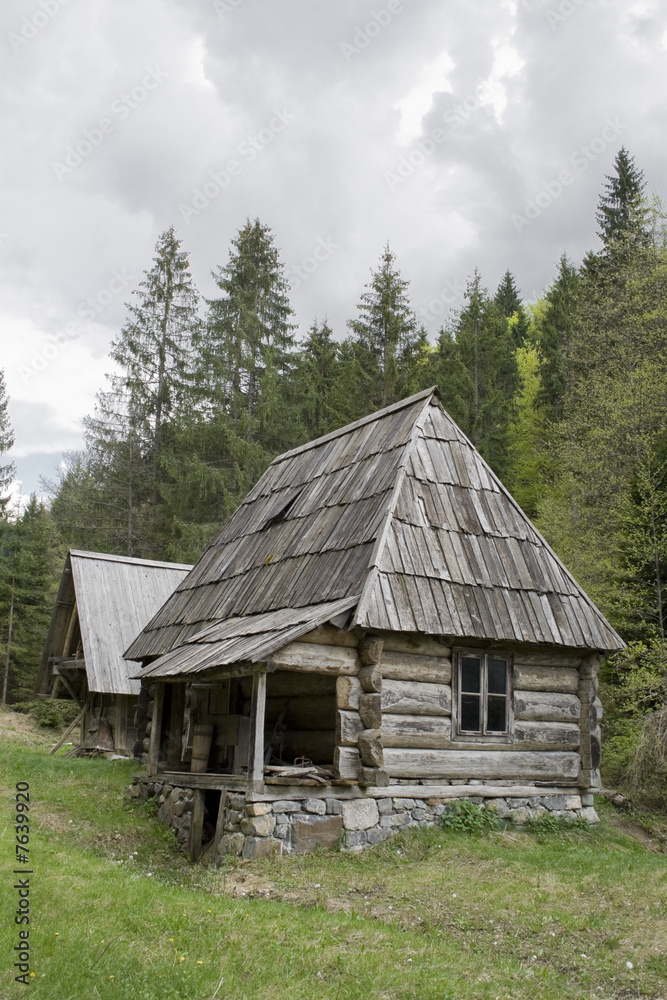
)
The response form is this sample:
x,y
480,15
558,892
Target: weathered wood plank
x,y
484,764
318,658
548,735
416,698
546,706
416,731
347,763
327,635
408,667
348,693
562,680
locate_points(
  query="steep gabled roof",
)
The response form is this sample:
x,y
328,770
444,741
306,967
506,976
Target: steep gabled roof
x,y
114,597
401,509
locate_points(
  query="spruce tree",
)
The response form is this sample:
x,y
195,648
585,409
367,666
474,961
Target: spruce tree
x,y
31,556
130,457
317,374
249,337
485,351
558,325
7,471
509,302
621,214
385,339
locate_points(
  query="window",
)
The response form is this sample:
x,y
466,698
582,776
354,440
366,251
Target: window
x,y
483,693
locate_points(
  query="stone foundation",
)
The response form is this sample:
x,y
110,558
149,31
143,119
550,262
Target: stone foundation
x,y
298,824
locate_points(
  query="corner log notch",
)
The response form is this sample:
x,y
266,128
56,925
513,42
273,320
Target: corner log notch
x,y
369,740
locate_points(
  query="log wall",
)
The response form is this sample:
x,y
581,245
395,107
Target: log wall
x,y
413,678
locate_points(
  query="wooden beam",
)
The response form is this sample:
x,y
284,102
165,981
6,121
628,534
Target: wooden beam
x,y
257,713
68,686
153,760
69,729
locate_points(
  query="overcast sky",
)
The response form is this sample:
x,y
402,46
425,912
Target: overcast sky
x,y
467,133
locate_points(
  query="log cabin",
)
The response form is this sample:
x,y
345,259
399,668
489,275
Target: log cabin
x,y
103,601
378,630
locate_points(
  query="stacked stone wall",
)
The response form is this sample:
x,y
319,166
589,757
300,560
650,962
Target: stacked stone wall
x,y
299,823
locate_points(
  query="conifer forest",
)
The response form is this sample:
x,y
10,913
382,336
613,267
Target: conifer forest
x,y
565,397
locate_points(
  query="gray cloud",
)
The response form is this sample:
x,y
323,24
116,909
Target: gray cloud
x,y
513,90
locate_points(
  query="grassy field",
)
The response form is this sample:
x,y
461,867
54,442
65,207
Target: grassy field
x,y
117,912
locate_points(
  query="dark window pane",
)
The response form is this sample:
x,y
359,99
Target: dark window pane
x,y
470,721
496,716
497,676
470,674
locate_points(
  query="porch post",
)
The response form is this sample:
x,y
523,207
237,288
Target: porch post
x,y
256,748
153,759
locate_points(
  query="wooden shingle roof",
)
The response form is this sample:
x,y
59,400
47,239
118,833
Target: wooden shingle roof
x,y
400,509
114,597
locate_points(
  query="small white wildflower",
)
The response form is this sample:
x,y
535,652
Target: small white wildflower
x,y
629,965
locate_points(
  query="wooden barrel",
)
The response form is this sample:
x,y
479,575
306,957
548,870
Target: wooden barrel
x,y
201,746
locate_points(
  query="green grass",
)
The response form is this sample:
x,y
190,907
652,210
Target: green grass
x,y
432,914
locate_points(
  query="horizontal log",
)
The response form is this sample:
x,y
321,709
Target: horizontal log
x,y
563,680
348,728
327,635
484,764
546,706
547,735
348,692
347,763
416,698
408,667
316,658
416,731
556,659
417,645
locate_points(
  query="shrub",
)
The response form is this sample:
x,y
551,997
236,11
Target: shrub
x,y
647,773
51,713
463,816
548,823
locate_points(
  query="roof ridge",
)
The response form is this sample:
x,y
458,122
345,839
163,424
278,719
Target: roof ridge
x,y
348,428
380,541
128,560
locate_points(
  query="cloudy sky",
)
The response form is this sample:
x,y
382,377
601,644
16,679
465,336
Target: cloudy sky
x,y
467,133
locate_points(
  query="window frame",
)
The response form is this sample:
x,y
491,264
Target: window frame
x,y
465,736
